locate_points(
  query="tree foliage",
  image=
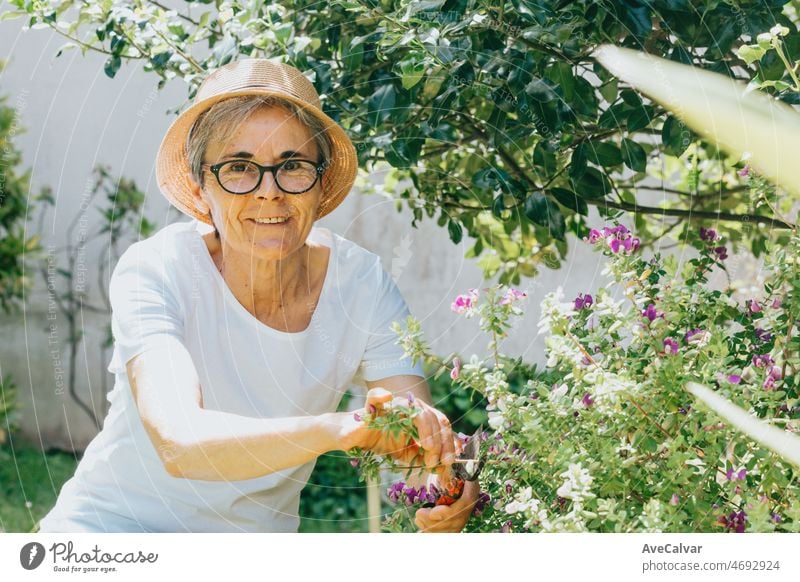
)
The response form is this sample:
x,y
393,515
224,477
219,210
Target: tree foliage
x,y
493,116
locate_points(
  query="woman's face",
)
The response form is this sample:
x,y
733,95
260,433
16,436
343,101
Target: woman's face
x,y
268,137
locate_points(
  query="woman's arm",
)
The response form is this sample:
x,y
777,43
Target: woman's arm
x,y
209,445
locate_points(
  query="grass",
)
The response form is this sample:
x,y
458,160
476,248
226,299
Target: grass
x,y
30,481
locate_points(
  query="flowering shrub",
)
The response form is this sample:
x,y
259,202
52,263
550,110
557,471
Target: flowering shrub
x,y
616,443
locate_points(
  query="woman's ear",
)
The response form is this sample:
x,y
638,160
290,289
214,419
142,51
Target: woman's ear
x,y
200,204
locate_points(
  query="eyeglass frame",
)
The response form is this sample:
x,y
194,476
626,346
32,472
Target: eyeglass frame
x,y
215,168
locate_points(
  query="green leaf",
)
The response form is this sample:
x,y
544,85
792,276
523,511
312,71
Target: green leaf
x,y
578,162
455,231
569,199
540,210
634,155
412,73
603,154
539,90
750,53
112,66
380,104
675,136
639,118
609,90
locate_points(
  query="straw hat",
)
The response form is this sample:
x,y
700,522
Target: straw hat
x,y
252,77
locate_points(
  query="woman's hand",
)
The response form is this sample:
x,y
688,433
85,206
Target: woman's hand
x,y
449,518
435,435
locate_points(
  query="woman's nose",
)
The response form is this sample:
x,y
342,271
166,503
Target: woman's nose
x,y
268,188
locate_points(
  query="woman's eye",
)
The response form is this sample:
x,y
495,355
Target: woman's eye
x,y
290,165
239,167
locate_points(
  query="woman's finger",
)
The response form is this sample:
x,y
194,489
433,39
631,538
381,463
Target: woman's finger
x,y
427,428
448,441
377,397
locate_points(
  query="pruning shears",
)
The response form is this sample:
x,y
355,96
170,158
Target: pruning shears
x,y
466,467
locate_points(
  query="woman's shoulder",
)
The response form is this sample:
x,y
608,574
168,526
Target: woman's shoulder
x,y
169,242
351,257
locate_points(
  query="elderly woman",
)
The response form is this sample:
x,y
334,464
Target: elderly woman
x,y
234,342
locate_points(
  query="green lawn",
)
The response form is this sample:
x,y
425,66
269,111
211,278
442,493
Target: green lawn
x,y
30,481
333,501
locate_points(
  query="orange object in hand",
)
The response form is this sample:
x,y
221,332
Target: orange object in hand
x,y
452,492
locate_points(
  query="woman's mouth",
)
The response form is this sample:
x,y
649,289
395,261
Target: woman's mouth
x,y
270,221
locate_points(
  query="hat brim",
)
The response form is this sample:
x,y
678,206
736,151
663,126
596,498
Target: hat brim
x,y
174,175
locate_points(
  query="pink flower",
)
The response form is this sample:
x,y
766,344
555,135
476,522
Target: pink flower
x,y
594,236
744,172
753,306
464,303
776,303
734,379
739,475
674,500
512,295
456,371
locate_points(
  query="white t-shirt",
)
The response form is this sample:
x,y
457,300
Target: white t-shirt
x,y
167,287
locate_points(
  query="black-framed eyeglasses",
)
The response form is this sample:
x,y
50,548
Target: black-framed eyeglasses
x,y
244,176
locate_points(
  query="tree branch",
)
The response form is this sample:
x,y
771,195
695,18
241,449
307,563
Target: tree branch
x,y
690,214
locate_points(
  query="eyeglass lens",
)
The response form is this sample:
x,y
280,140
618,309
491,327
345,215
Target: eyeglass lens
x,y
242,176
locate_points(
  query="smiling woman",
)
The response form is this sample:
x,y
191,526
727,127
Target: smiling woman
x,y
234,345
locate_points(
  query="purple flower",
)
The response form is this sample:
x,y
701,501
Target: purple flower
x,y
744,172
356,417
734,521
651,312
691,333
671,345
506,527
762,361
674,500
395,492
481,503
721,252
734,379
753,306
698,337
618,238
773,375
708,234
762,335
587,400
776,518
583,301
739,475
776,303
411,398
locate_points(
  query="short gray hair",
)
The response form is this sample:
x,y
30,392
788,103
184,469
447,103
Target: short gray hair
x,y
223,118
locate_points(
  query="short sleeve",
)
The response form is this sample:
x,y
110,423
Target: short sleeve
x,y
145,310
383,356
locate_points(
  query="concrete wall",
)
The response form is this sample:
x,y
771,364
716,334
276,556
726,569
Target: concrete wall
x,y
77,118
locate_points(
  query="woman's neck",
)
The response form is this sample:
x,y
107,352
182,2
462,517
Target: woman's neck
x,y
267,287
